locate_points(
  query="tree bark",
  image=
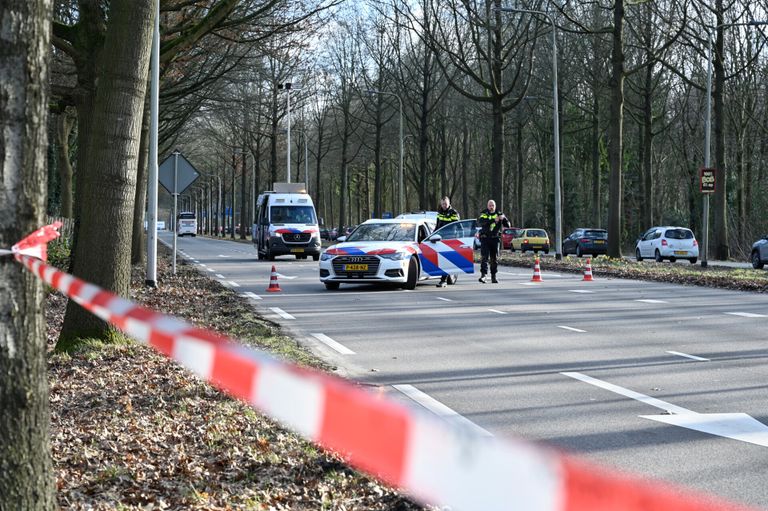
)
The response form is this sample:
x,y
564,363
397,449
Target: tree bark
x,y
139,240
107,180
26,471
615,131
63,130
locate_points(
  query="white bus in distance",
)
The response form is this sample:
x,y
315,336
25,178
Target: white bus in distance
x,y
186,224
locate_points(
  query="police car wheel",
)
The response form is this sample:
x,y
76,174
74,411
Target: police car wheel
x,y
413,275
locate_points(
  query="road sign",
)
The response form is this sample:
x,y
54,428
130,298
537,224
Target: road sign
x,y
186,174
707,180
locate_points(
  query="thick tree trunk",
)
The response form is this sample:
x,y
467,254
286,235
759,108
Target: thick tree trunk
x,y
615,132
107,180
243,203
138,238
26,471
497,152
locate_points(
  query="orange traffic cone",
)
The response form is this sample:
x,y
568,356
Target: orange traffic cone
x,y
274,287
536,271
588,271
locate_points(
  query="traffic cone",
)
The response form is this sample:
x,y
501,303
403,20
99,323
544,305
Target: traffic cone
x,y
536,271
588,271
274,287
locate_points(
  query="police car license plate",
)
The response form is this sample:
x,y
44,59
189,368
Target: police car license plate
x,y
297,250
355,267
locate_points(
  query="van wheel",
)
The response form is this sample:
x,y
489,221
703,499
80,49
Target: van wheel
x,y
756,262
637,255
413,275
332,286
316,257
692,260
658,257
578,252
672,259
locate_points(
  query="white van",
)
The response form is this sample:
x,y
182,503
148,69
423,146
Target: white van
x,y
186,224
286,223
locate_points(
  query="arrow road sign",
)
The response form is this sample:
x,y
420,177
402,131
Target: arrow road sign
x,y
185,173
737,426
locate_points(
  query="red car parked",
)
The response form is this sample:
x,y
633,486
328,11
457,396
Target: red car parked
x,y
507,234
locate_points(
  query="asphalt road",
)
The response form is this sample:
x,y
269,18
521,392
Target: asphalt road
x,y
593,368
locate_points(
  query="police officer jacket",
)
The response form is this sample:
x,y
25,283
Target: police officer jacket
x,y
446,216
490,223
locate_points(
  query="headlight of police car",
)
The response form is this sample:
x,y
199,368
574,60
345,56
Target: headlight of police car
x,y
397,256
325,256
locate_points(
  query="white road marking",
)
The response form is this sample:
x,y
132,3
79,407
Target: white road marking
x,y
652,401
285,276
333,344
694,357
648,300
572,329
219,276
444,299
250,295
210,269
222,255
747,314
580,291
530,283
203,265
438,408
233,283
280,312
497,312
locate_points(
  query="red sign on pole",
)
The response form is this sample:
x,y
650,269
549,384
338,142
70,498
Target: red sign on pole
x,y
707,180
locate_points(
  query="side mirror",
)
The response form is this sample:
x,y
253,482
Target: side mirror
x,y
341,239
435,238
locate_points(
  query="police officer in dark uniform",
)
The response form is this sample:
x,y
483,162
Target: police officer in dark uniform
x,y
445,215
490,222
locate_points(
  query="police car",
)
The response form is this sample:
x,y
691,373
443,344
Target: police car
x,y
399,251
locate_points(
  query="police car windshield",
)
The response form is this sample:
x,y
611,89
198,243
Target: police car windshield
x,y
293,215
384,232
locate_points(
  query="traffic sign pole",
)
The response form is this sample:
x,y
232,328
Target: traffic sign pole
x,y
175,204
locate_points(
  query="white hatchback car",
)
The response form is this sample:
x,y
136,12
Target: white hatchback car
x,y
399,251
667,242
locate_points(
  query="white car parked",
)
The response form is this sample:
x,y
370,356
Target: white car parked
x,y
667,242
399,251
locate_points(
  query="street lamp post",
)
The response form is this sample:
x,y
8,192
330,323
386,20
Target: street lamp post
x,y
306,170
287,87
708,131
400,191
556,130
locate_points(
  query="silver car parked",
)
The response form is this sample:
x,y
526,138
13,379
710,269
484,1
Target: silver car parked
x,y
759,255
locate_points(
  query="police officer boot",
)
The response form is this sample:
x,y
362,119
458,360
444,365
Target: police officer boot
x,y
482,278
493,279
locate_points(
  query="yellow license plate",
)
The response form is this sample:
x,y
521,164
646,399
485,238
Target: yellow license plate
x,y
355,267
681,252
599,242
297,250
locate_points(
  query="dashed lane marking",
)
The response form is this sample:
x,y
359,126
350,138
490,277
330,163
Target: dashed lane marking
x,y
252,296
438,408
584,291
648,300
693,357
280,312
333,344
444,299
219,276
571,329
497,311
233,283
747,314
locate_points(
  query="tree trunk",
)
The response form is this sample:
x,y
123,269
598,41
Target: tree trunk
x,y
64,129
647,149
719,209
107,181
26,476
243,202
597,210
138,239
615,131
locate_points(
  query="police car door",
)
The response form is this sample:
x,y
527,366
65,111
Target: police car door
x,y
448,250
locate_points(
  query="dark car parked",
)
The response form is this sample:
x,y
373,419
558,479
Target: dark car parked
x,y
586,241
759,254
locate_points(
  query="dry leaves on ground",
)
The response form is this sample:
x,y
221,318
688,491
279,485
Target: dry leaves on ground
x,y
132,430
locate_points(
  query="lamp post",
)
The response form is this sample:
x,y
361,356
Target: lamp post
x,y
556,130
306,170
287,87
400,191
708,131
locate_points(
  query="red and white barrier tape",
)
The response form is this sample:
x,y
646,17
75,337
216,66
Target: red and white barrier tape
x,y
434,461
